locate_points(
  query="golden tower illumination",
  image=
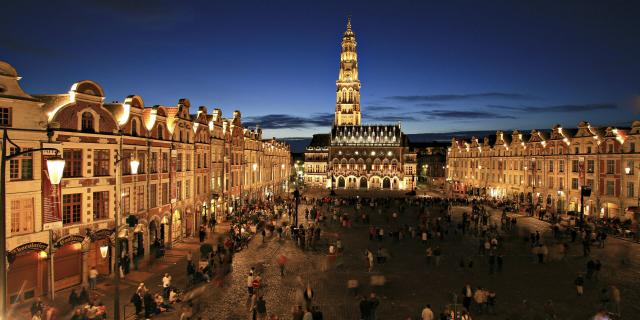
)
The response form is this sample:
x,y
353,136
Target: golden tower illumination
x,y
348,85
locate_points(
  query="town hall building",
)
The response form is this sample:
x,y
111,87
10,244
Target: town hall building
x,y
353,155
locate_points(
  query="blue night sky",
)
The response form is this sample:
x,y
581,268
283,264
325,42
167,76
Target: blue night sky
x,y
440,66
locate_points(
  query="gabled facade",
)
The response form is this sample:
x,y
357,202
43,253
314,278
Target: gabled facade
x,y
546,169
191,169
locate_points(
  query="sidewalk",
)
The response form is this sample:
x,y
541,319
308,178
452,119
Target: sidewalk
x,y
173,262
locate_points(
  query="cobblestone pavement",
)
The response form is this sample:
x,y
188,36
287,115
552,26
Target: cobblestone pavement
x,y
411,284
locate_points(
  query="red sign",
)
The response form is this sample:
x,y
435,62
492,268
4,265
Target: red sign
x,y
51,197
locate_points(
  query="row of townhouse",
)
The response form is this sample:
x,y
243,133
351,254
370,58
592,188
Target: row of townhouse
x,y
547,169
192,167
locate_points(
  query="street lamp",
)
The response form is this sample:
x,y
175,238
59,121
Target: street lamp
x,y
134,164
55,170
104,249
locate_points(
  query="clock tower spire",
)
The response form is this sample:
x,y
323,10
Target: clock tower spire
x,y
348,85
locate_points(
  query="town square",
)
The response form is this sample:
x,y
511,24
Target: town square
x,y
362,160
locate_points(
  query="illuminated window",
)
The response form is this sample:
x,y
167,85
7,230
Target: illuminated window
x,y
71,208
134,128
160,132
165,193
100,205
73,163
100,163
22,216
21,167
611,166
154,163
87,123
610,188
5,117
140,198
153,196
165,162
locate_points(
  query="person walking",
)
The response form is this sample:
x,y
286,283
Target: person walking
x,y
437,253
136,299
166,284
614,293
261,308
308,297
427,313
202,234
282,261
373,305
596,269
429,256
467,297
365,309
579,282
250,283
73,300
93,278
370,259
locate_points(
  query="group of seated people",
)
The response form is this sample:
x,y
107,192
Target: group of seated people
x,y
90,311
157,303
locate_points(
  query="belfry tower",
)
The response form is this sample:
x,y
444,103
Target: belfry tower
x,y
348,85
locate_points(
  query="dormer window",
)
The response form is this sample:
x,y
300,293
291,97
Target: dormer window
x,y
87,122
160,132
134,128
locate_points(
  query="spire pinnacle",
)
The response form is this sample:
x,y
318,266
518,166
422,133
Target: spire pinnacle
x,y
349,23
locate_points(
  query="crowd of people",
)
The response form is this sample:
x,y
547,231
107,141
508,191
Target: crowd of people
x,y
388,222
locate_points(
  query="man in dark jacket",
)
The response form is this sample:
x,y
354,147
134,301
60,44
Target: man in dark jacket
x,y
365,309
373,304
317,314
261,307
74,300
137,302
149,305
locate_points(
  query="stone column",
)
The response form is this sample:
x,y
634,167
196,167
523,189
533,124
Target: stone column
x,y
85,268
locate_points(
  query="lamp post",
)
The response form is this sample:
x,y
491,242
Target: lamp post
x,y
134,163
55,168
254,167
296,196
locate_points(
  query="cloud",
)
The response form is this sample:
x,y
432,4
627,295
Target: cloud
x,y
391,118
428,104
558,108
463,115
380,108
465,96
284,121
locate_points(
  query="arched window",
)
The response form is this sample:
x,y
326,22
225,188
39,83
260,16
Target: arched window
x,y
134,128
160,132
87,122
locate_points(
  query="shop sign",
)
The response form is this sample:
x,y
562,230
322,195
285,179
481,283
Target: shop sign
x,y
100,234
69,239
31,246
